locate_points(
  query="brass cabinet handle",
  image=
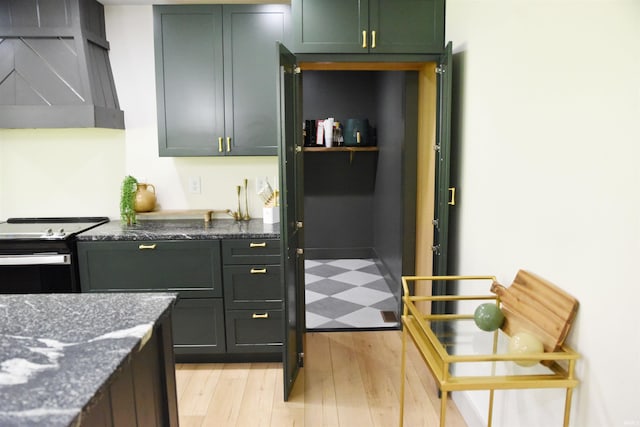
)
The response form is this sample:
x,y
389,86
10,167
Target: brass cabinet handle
x,y
373,39
452,201
258,271
364,39
260,316
228,144
220,144
143,246
258,245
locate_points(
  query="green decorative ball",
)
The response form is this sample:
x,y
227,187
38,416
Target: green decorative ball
x,y
488,317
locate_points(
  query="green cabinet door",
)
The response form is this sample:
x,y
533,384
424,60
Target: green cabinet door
x,y
198,327
189,80
329,26
406,26
368,26
250,35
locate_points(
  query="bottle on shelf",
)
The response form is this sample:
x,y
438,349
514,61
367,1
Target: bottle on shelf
x,y
337,134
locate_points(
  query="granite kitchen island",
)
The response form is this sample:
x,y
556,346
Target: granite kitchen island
x,y
87,360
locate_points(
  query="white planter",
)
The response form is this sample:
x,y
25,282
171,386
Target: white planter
x,y
271,215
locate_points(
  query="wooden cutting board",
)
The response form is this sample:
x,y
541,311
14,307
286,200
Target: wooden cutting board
x,y
537,306
204,214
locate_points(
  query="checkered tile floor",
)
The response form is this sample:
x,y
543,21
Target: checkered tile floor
x,y
346,294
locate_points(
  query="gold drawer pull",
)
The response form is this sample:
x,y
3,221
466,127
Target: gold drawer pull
x,y
228,144
219,144
260,316
373,39
258,271
142,246
258,245
364,39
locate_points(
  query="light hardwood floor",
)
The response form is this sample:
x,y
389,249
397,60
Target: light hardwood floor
x,y
349,379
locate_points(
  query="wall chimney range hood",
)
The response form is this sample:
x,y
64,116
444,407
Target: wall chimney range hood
x,y
54,66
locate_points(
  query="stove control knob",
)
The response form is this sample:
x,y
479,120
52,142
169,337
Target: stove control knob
x,y
48,232
61,233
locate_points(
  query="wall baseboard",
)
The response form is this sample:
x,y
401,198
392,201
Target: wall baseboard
x,y
338,253
467,409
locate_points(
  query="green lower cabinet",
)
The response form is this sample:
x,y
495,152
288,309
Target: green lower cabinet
x,y
190,268
254,331
198,326
229,305
253,295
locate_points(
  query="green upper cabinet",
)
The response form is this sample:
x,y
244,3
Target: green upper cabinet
x,y
368,26
215,67
189,79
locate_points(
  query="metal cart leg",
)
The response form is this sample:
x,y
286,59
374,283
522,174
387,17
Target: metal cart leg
x,y
490,416
402,374
443,408
567,406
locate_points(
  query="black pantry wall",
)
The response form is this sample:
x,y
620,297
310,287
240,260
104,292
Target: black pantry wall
x,y
362,205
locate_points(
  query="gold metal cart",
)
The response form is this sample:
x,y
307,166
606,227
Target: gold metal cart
x,y
460,362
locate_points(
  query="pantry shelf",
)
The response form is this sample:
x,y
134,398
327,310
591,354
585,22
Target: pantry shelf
x,y
350,150
334,149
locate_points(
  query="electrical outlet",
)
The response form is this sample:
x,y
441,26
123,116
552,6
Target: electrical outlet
x,y
194,185
260,183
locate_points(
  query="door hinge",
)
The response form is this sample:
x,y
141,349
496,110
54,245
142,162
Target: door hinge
x,y
301,359
296,70
435,222
436,147
441,69
298,149
299,225
436,249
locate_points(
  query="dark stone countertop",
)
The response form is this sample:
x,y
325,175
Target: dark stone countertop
x,y
57,351
183,229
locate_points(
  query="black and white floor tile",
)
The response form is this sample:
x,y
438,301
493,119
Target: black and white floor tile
x,y
346,294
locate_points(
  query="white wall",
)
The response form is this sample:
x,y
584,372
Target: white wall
x,y
58,172
549,183
79,171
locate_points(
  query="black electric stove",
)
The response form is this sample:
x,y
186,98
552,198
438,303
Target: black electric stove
x,y
38,255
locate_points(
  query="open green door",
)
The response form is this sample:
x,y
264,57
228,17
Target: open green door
x,y
291,214
444,193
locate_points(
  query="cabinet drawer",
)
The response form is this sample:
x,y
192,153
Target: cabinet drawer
x,y
192,268
254,331
252,286
198,326
251,251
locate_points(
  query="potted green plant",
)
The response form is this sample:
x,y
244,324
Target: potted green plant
x,y
128,199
